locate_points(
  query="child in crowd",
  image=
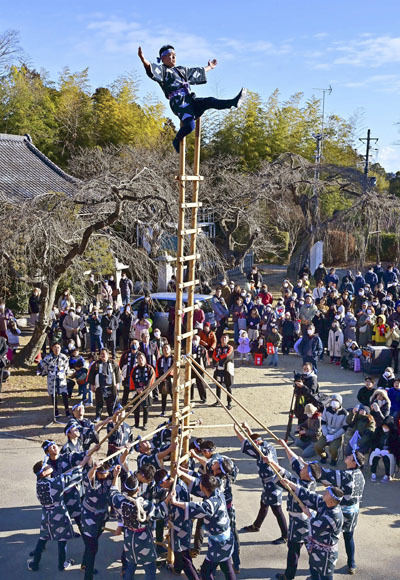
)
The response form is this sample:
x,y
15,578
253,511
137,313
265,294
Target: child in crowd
x,y
244,346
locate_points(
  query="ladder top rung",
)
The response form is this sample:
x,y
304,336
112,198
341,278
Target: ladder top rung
x,y
191,231
189,258
188,204
189,178
188,284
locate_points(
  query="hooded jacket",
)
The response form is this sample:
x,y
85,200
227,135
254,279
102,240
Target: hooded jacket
x,y
334,422
380,331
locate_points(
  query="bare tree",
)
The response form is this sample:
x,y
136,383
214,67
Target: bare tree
x,y
9,48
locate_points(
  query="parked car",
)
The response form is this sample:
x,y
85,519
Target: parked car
x,y
163,301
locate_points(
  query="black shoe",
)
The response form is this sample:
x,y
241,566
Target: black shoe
x,y
83,568
215,404
56,414
145,428
280,576
251,528
323,460
68,413
279,541
352,570
333,462
229,407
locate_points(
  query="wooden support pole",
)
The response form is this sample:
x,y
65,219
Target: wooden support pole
x,y
270,433
254,445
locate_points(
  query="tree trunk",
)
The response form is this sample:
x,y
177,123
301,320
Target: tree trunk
x,y
300,255
27,355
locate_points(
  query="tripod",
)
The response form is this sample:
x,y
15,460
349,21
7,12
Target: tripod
x,y
55,388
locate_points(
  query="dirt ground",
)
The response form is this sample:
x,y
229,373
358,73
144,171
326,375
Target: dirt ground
x,y
267,393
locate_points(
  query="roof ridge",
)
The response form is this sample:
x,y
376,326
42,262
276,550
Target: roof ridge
x,y
50,163
10,137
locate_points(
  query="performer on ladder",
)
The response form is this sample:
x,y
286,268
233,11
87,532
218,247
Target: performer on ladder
x,y
175,82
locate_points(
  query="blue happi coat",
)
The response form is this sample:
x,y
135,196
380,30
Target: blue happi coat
x,y
95,505
87,431
56,521
175,83
272,494
299,523
214,514
351,482
181,530
139,547
325,528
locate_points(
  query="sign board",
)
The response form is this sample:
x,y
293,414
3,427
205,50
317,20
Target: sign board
x,y
316,256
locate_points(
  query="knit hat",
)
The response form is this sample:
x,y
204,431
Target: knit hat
x,y
337,398
309,408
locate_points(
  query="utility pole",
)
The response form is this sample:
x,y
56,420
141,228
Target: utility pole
x,y
324,93
368,140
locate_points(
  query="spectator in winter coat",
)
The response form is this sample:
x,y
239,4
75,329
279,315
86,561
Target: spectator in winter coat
x,y
358,282
255,278
350,351
331,277
126,327
365,393
275,339
109,324
320,273
361,429
66,301
265,295
95,331
310,347
389,277
386,446
253,324
309,431
307,312
289,334
333,426
394,396
141,325
287,286
208,339
380,331
72,324
299,290
395,316
225,291
319,291
34,306
221,311
335,342
386,379
198,315
371,278
126,288
380,406
239,317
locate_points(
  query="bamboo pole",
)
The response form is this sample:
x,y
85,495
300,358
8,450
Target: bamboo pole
x,y
193,427
255,446
137,402
237,402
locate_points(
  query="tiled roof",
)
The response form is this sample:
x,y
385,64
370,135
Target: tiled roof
x,y
25,172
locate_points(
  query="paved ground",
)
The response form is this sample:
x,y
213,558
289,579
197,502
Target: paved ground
x,y
268,393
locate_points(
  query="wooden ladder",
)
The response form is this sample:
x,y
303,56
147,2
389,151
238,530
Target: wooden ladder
x,y
187,237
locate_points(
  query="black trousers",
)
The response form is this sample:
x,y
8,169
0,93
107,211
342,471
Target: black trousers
x,y
137,415
65,402
40,546
100,399
201,390
91,548
183,561
278,513
227,387
208,568
292,559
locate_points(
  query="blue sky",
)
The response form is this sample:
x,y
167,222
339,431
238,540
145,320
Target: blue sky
x,y
294,46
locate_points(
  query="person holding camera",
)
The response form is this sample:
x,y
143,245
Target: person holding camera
x,y
310,346
306,387
95,331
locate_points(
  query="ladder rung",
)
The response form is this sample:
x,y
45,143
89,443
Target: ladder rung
x,y
185,410
191,204
183,458
191,231
187,309
189,178
189,258
188,284
186,335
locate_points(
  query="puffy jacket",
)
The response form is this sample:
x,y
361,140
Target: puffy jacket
x,y
333,423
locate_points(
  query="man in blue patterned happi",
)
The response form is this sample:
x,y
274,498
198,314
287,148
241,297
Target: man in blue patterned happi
x,y
214,513
325,528
175,82
56,522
